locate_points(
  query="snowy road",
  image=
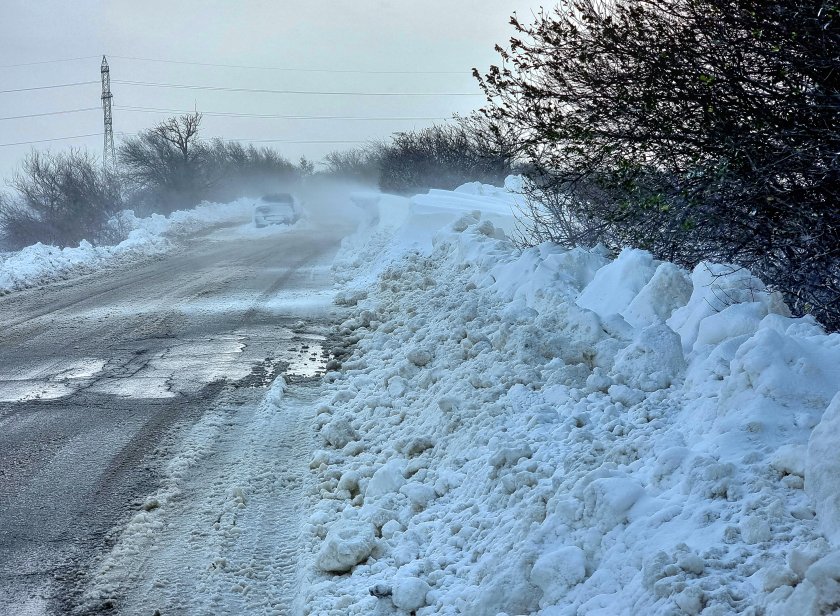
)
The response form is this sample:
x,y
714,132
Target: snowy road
x,y
101,378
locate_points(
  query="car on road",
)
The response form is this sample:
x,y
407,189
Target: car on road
x,y
276,209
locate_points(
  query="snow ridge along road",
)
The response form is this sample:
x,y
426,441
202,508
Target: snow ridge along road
x,y
557,432
102,376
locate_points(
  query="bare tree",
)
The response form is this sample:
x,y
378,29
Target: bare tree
x,y
166,166
181,132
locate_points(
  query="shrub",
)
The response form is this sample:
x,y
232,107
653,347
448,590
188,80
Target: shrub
x,y
169,167
440,157
235,170
359,164
62,199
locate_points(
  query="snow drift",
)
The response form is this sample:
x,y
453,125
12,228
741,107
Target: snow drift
x,y
39,264
553,432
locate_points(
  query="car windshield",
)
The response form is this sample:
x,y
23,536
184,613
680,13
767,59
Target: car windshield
x,y
279,198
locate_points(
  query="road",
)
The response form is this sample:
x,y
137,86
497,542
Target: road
x,y
101,376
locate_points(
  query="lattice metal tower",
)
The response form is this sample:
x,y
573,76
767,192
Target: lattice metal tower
x,y
109,156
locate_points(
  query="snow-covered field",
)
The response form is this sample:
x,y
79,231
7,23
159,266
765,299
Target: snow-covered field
x,y
557,432
147,237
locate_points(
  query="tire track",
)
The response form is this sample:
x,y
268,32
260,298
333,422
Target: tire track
x,y
77,464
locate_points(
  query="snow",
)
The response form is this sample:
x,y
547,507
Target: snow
x,y
221,534
348,543
556,571
39,264
386,480
618,283
556,432
409,592
822,470
514,431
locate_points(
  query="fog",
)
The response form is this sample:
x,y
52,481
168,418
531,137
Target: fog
x,y
427,47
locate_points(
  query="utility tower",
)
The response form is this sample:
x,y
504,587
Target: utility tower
x,y
109,157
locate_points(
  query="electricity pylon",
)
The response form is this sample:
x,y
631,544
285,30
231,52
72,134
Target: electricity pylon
x,y
109,156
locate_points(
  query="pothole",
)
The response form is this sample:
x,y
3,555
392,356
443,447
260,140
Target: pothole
x,y
299,357
308,358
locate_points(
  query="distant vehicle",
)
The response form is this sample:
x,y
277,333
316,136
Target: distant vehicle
x,y
276,209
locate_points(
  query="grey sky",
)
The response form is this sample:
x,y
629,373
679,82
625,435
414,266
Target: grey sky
x,y
371,35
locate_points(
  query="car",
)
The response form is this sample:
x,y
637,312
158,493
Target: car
x,y
276,209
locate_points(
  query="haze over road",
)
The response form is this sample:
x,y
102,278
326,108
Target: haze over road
x,y
98,376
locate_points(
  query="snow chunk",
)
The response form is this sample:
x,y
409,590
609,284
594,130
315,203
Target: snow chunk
x,y
419,494
822,471
409,593
819,592
790,459
717,287
386,480
825,576
338,432
608,499
794,371
654,360
556,571
348,543
731,322
616,284
419,357
755,529
668,289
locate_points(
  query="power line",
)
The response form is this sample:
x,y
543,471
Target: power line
x,y
123,134
49,113
3,145
269,116
292,141
266,91
58,85
47,61
288,69
295,70
216,113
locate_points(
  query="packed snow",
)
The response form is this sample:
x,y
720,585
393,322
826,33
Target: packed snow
x,y
557,432
39,264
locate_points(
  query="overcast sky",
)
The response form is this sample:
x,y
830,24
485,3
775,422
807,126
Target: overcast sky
x,y
410,36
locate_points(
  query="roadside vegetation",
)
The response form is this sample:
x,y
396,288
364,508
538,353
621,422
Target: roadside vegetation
x,y
59,199
62,198
471,148
696,129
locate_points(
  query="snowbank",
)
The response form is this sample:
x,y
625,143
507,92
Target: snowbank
x,y
39,264
392,226
554,432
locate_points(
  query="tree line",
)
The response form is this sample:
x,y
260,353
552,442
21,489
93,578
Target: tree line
x,y
63,198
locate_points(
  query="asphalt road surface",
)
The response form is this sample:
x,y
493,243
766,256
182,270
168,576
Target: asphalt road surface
x,y
99,375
